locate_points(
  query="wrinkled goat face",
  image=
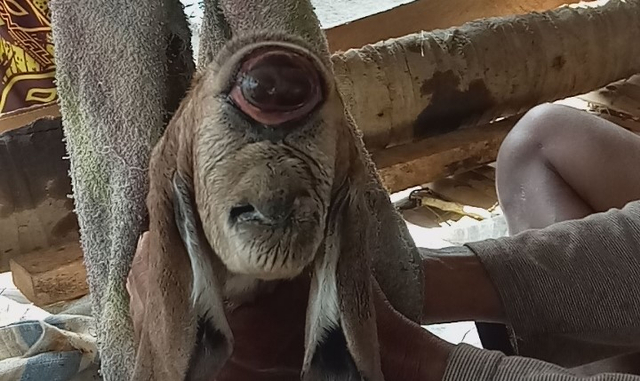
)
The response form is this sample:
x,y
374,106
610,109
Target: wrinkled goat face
x,y
264,156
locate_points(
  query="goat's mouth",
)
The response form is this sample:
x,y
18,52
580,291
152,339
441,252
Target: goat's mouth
x,y
273,243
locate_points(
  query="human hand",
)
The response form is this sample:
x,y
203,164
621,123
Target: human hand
x,y
408,352
269,339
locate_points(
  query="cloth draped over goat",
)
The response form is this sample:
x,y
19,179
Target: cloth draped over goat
x,y
122,68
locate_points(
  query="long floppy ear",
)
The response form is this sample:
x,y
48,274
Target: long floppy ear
x,y
341,338
214,339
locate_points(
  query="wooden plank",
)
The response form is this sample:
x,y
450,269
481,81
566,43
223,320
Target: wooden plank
x,y
487,171
427,160
452,189
431,159
480,183
35,210
52,275
428,15
622,97
23,117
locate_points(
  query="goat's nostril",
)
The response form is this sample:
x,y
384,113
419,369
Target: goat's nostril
x,y
242,212
271,213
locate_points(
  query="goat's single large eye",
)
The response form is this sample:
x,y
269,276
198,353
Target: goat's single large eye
x,y
276,86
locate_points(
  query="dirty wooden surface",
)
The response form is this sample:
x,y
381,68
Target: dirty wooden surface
x,y
619,102
35,210
426,160
454,210
52,275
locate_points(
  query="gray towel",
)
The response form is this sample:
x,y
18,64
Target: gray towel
x,y
122,68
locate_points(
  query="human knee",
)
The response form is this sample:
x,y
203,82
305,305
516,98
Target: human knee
x,y
528,137
523,148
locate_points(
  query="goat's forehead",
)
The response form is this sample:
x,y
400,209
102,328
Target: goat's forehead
x,y
223,138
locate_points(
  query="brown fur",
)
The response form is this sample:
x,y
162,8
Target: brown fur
x,y
345,218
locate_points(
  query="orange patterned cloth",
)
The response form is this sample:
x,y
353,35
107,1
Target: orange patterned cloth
x,y
26,55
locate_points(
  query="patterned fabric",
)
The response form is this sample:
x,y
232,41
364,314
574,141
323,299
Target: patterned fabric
x,y
27,68
58,348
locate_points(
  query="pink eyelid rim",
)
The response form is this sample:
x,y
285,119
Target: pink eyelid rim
x,y
279,117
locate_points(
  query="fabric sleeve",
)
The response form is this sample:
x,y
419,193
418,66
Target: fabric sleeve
x,y
469,363
571,292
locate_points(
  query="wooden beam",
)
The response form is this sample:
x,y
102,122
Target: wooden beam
x,y
52,275
428,15
425,84
427,160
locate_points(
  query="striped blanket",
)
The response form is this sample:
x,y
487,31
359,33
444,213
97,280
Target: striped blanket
x,y
57,348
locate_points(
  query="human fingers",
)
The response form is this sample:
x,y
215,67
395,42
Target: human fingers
x,y
408,352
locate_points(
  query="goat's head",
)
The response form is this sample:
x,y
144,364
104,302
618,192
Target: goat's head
x,y
258,193
264,153
270,178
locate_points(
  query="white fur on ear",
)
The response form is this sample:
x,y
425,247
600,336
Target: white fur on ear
x,y
205,294
323,312
327,353
205,290
215,339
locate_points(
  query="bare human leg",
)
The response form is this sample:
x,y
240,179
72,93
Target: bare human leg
x,y
559,164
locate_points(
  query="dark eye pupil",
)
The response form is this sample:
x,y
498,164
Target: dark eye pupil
x,y
277,84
